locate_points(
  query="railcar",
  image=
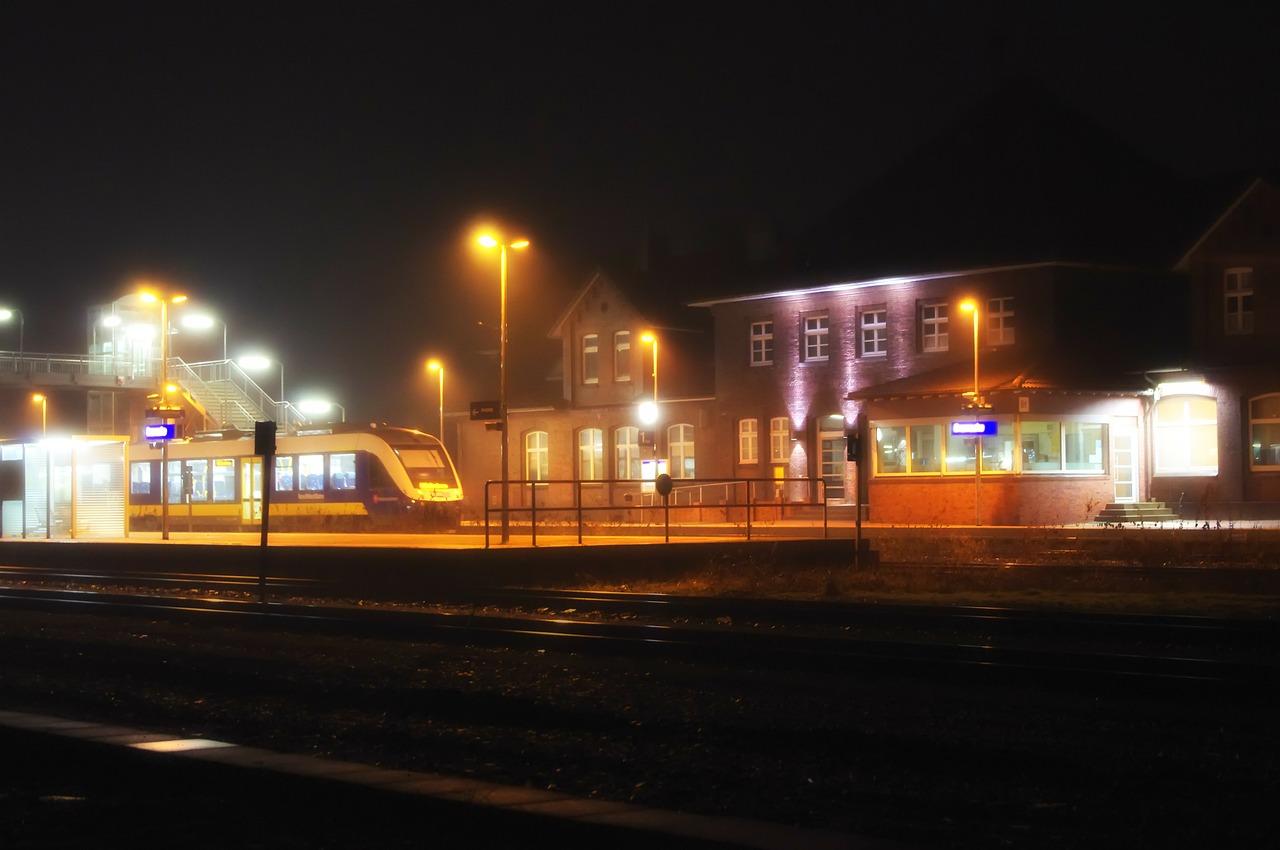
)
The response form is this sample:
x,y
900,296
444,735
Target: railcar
x,y
367,479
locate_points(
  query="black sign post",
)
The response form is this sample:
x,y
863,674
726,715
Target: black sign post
x,y
663,485
264,445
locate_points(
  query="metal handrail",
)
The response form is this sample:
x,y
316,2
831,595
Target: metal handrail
x,y
816,488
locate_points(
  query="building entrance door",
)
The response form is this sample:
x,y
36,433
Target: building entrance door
x,y
831,445
1123,466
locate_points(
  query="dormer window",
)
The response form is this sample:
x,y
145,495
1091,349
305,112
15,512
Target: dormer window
x,y
1237,297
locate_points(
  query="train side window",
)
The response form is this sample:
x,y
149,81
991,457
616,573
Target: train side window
x,y
284,473
224,479
140,478
199,480
310,472
342,471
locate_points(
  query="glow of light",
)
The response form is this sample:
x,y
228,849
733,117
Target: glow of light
x,y
434,365
488,241
179,745
112,321
198,321
648,412
255,362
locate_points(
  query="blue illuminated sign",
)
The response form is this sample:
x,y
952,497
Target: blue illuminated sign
x,y
165,431
982,428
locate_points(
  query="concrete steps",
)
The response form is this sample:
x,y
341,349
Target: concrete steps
x,y
1135,513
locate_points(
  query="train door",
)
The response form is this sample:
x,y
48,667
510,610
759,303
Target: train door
x,y
251,490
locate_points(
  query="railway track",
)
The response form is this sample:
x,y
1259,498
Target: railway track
x,y
1058,648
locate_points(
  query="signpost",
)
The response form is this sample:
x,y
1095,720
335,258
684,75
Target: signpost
x,y
977,429
264,445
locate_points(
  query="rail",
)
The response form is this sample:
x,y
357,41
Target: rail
x,y
250,401
745,503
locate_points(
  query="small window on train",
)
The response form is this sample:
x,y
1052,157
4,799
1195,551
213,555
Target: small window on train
x,y
140,478
199,472
342,471
224,479
310,472
284,473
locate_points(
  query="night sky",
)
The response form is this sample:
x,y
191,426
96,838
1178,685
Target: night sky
x,y
312,172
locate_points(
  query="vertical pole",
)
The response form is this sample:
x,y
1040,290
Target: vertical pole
x,y
441,370
502,393
164,404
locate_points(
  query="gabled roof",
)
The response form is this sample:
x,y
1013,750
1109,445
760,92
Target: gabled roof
x,y
1010,371
1255,185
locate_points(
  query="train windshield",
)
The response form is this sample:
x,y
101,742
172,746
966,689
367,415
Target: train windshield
x,y
427,467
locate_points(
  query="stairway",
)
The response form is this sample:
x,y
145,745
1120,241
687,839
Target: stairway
x,y
1135,513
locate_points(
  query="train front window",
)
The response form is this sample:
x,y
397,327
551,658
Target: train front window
x,y
427,467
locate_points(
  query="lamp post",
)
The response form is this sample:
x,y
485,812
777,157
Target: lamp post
x,y
438,367
43,401
151,298
6,315
490,242
649,409
976,404
260,362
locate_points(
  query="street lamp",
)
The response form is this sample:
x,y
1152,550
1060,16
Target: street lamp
x,y
259,363
320,407
649,408
151,298
6,315
490,242
438,367
43,401
976,404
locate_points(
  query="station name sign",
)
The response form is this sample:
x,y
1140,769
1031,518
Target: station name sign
x,y
162,431
981,428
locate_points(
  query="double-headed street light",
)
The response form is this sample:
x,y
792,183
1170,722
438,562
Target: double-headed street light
x,y
438,367
6,315
164,301
491,242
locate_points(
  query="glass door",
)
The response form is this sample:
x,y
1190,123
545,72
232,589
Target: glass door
x,y
251,490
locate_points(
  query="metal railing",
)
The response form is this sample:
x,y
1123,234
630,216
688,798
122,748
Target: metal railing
x,y
247,399
744,503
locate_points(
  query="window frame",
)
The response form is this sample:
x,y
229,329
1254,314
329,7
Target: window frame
x,y
1257,455
761,339
540,453
1001,329
779,439
681,450
935,326
748,441
626,453
622,356
879,331
817,337
1237,301
590,358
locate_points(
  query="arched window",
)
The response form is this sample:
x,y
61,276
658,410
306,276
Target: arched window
x,y
1186,435
536,456
680,449
626,447
590,454
1264,431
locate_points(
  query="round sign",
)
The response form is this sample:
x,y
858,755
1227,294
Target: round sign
x,y
663,483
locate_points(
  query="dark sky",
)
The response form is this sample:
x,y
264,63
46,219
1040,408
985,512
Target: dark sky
x,y
312,171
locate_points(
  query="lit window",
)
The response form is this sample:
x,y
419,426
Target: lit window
x,y
779,439
622,356
1186,435
933,326
342,471
1264,431
310,472
284,474
817,341
1238,301
626,446
139,478
761,343
680,448
748,441
1062,446
875,332
1000,321
590,454
591,359
536,456
224,479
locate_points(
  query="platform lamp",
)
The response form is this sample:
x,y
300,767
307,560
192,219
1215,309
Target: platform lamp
x,y
491,242
438,367
6,315
165,388
43,401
